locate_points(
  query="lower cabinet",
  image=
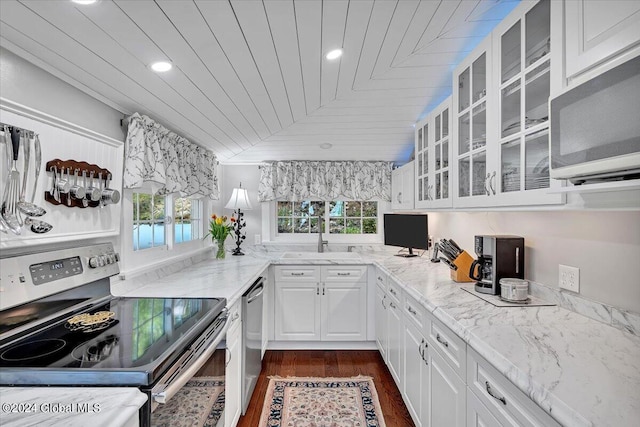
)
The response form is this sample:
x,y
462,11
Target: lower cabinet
x,y
477,414
447,403
327,303
416,375
233,371
382,333
396,345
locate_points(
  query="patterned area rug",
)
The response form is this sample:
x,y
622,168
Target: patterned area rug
x,y
321,402
199,403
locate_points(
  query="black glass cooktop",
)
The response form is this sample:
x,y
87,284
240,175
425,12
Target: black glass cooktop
x,y
124,334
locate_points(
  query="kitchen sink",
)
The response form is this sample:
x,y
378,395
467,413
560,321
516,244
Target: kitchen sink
x,y
320,255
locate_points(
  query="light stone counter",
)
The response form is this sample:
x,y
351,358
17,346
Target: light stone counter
x,y
579,370
69,407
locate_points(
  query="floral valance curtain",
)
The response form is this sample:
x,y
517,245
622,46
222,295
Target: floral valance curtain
x,y
325,180
166,162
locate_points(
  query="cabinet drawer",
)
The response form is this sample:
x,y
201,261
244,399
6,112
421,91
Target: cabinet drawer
x,y
297,273
395,291
381,279
414,312
343,273
509,405
450,346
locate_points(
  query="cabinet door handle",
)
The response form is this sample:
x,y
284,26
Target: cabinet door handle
x,y
323,289
344,274
442,341
486,186
501,399
392,305
391,290
317,288
383,298
421,349
297,274
412,311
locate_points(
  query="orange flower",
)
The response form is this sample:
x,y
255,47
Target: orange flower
x,y
233,219
213,216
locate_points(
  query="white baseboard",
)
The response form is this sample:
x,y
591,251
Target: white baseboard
x,y
322,345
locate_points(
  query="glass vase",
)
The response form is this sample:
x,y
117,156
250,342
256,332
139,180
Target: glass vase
x,y
220,254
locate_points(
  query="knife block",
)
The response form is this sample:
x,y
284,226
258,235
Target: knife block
x,y
463,262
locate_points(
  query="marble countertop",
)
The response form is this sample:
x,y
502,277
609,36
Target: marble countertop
x,y
579,370
59,406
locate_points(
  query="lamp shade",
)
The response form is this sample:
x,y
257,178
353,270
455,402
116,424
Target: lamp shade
x,y
239,200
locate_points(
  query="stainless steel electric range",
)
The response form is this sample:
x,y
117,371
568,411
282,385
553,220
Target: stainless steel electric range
x,y
59,326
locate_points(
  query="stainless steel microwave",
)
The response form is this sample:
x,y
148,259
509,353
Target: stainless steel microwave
x,y
595,127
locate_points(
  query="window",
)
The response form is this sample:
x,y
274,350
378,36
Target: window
x,y
343,217
187,219
149,213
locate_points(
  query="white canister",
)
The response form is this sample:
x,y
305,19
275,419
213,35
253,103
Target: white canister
x,y
514,289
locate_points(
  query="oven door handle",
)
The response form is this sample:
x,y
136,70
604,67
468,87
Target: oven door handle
x,y
164,392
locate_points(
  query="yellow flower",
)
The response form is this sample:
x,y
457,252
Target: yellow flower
x,y
219,228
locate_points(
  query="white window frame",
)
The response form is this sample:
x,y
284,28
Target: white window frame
x,y
146,259
197,217
270,228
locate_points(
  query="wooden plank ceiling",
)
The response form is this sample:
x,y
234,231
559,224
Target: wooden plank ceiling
x,y
250,80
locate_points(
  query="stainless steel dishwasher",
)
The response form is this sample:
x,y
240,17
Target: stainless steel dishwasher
x,y
252,334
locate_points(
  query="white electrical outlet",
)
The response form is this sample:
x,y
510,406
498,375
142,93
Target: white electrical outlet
x,y
569,278
256,239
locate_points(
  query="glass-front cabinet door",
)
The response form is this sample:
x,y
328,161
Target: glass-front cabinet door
x,y
523,77
433,151
472,106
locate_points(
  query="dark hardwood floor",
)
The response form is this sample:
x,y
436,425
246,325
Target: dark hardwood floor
x,y
329,363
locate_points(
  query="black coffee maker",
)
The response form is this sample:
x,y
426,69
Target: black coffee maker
x,y
498,257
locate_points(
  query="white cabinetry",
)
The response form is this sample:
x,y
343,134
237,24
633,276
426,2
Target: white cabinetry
x,y
233,371
508,405
597,31
402,187
433,153
447,404
382,300
327,303
500,104
395,331
416,368
477,414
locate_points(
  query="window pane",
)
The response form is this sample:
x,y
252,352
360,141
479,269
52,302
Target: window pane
x,y
353,209
316,208
158,208
284,209
144,207
370,209
158,234
336,208
369,226
285,225
353,226
144,236
336,225
177,232
301,225
301,208
314,225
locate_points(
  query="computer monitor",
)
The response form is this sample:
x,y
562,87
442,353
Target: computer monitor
x,y
407,231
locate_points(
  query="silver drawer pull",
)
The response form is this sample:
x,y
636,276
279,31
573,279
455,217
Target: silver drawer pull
x,y
379,278
383,298
392,305
421,349
441,341
393,292
344,274
501,399
297,274
412,311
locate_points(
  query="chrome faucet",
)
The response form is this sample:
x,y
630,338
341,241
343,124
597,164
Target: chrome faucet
x,y
321,242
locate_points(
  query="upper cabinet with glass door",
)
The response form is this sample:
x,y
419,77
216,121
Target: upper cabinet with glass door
x,y
523,78
433,153
472,111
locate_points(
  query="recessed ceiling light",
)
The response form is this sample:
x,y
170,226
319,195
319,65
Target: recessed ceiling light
x,y
334,54
161,66
84,2
326,146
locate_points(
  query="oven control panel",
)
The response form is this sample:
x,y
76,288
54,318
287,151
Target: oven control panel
x,y
28,277
54,270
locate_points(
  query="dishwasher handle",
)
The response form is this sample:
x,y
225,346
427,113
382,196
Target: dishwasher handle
x,y
255,291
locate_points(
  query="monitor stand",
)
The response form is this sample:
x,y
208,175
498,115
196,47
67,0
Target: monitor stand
x,y
406,255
